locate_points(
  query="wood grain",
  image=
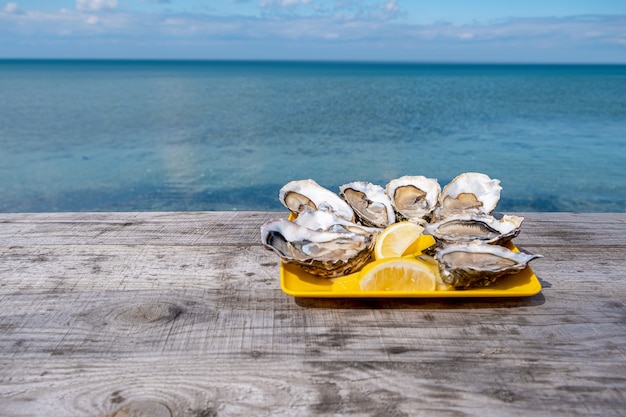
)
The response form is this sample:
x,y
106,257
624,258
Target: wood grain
x,y
181,314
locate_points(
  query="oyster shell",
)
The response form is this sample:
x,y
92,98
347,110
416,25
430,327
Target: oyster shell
x,y
469,192
467,227
339,250
477,264
326,220
369,202
296,195
414,197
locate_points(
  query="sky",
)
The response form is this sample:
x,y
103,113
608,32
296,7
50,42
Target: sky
x,y
529,31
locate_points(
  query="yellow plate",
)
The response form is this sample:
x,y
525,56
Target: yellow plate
x,y
298,283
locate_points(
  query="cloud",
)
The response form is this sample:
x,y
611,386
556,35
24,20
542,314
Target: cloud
x,y
350,9
282,3
367,9
12,8
94,5
350,30
605,29
347,27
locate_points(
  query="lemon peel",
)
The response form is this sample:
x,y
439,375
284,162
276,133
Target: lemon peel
x,y
398,274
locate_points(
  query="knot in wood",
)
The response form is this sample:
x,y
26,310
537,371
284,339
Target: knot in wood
x,y
149,313
144,409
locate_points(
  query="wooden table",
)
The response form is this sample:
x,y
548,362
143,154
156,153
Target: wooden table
x,y
181,314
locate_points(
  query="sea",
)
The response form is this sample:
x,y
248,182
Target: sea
x,y
135,135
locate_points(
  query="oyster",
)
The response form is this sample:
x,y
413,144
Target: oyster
x,y
414,197
477,264
326,220
469,192
296,195
467,227
339,250
369,202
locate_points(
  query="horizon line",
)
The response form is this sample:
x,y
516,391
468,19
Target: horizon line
x,y
314,61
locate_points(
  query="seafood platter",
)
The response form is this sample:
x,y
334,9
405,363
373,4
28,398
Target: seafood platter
x,y
328,238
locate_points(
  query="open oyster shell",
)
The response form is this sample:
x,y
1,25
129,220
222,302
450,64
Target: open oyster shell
x,y
318,245
299,194
467,227
478,264
326,220
414,197
470,192
369,202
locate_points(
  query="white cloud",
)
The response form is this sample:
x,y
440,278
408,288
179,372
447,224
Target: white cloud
x,y
316,33
294,2
392,6
367,10
11,8
95,4
282,3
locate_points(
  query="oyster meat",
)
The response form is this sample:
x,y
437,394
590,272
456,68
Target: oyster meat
x,y
467,227
478,264
299,194
414,197
323,249
369,202
469,192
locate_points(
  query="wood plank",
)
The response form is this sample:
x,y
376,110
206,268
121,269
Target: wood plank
x,y
185,228
573,229
68,268
211,228
234,324
191,386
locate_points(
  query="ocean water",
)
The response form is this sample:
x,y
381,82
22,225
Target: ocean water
x,y
211,135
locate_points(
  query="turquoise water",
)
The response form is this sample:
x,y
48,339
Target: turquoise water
x,y
167,135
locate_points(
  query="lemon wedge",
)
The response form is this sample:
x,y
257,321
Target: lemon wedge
x,y
398,274
400,239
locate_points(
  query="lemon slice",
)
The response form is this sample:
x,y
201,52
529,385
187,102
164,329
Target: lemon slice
x,y
398,274
402,238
